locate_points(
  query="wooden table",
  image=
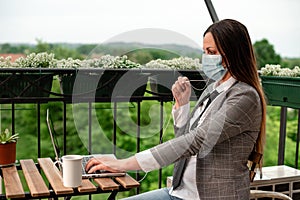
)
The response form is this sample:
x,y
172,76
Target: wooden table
x,y
38,187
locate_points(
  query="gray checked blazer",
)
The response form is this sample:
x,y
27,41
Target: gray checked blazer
x,y
222,143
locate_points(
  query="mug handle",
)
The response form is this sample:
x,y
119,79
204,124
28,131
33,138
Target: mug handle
x,y
58,164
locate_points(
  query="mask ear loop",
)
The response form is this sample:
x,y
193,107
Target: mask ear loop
x,y
199,89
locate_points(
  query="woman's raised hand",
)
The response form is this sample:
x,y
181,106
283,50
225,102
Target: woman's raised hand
x,y
181,90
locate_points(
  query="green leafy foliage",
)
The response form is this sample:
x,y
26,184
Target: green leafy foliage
x,y
265,53
58,49
290,62
7,137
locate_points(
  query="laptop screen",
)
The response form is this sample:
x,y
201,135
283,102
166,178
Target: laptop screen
x,y
53,136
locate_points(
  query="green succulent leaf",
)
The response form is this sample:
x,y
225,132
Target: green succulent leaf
x,y
7,137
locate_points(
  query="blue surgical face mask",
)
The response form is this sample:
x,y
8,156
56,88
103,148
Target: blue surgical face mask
x,y
212,66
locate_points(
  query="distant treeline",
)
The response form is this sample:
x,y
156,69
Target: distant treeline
x,y
136,52
141,53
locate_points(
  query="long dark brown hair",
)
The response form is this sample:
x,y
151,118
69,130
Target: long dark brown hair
x,y
234,44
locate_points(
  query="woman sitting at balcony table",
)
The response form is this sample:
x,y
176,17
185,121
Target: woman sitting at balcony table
x,y
213,143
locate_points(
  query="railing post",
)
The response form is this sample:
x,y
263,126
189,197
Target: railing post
x,y
90,127
13,117
282,135
39,128
115,128
161,137
297,142
138,140
65,127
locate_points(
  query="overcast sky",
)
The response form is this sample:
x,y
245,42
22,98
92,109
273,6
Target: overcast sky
x,y
98,21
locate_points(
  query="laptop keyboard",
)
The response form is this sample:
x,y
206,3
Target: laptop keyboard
x,y
98,173
85,159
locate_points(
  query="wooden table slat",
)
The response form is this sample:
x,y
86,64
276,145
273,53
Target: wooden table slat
x,y
87,186
127,181
34,179
12,183
106,184
54,177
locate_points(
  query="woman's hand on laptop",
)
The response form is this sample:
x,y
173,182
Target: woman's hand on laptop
x,y
111,164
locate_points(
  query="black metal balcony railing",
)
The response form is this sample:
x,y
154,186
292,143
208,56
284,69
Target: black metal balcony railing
x,y
282,137
66,99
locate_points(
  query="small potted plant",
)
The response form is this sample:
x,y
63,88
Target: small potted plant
x,y
8,143
281,85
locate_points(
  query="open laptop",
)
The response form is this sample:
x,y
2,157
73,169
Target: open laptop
x,y
85,158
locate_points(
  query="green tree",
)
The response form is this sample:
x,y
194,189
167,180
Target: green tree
x,y
8,48
59,51
265,53
42,46
290,62
62,52
5,48
144,56
86,49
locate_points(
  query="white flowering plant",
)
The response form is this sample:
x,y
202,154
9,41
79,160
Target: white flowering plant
x,y
33,60
276,70
111,62
36,60
6,62
105,62
68,63
175,63
47,60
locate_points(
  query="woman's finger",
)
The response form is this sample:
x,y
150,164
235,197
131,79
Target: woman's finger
x,y
96,168
91,163
176,92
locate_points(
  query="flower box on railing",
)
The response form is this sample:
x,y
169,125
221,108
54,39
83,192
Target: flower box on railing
x,y
106,76
281,85
26,76
104,83
282,91
24,84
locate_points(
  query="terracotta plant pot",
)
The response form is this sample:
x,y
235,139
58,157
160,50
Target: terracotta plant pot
x,y
7,153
